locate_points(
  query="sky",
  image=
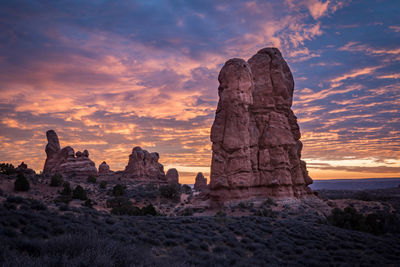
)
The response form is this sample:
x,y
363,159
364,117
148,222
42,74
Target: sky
x,y
111,75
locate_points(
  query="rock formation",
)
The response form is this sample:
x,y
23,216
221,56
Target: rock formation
x,y
200,183
255,135
104,169
23,168
144,166
65,161
172,176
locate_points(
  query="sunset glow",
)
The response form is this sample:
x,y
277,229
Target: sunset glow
x,y
110,76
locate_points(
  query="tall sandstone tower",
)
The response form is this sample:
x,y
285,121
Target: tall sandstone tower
x,y
256,139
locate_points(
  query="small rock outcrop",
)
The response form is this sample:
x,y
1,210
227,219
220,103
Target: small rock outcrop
x,y
200,182
144,166
23,168
104,169
255,135
172,176
65,161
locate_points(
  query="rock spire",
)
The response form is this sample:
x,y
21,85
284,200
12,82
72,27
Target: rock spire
x,y
255,135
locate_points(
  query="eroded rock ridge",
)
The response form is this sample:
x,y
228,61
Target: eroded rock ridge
x,y
65,161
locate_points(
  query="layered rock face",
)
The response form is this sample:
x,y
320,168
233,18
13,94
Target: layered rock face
x,y
255,135
65,161
200,182
144,166
172,176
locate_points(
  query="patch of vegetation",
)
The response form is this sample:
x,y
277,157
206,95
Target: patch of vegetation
x,y
123,206
21,183
103,184
171,191
186,189
7,168
187,212
119,190
91,179
88,203
374,223
67,191
79,193
266,212
65,195
56,180
84,237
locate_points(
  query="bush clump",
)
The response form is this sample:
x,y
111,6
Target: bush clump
x,y
186,189
374,223
56,180
171,191
266,212
103,184
88,203
67,191
91,179
21,184
123,206
65,195
148,210
119,190
79,193
7,168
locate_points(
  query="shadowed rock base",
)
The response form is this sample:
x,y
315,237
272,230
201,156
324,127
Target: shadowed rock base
x,y
258,193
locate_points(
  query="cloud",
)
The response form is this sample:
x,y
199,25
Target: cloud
x,y
317,8
363,48
389,76
354,73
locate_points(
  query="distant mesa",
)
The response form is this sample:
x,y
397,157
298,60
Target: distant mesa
x,y
255,135
200,182
65,161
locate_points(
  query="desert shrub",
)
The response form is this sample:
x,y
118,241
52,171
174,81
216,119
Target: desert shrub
x,y
186,189
119,190
15,199
88,203
187,212
91,179
171,191
117,202
56,180
103,184
375,223
126,210
67,191
7,168
148,210
364,196
79,193
21,184
123,206
37,205
220,213
63,199
265,212
269,202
